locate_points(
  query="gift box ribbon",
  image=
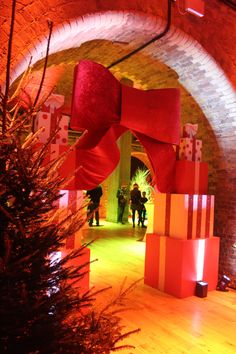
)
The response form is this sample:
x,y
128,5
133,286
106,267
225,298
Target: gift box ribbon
x,y
190,130
194,202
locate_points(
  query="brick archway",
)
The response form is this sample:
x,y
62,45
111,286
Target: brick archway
x,y
197,72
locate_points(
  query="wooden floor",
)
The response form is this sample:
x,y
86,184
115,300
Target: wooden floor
x,y
168,325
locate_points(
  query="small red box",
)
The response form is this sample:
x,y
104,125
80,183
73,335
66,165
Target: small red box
x,y
174,266
191,177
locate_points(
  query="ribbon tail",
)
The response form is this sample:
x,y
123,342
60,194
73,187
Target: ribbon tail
x,y
162,157
99,162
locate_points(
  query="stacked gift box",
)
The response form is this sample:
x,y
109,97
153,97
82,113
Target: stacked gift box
x,y
50,118
180,247
191,174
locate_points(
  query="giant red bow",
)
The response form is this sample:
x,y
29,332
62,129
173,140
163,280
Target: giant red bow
x,y
105,109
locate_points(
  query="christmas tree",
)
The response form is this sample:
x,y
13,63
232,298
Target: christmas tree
x,y
42,308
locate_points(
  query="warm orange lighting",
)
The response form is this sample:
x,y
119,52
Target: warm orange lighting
x,y
200,259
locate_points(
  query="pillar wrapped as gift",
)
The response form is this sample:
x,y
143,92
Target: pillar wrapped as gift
x,y
174,266
183,216
191,177
50,117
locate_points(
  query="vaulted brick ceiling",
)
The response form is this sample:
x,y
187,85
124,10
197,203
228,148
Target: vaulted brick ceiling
x,y
155,75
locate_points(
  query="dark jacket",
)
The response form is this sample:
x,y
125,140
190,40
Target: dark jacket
x,y
95,194
135,196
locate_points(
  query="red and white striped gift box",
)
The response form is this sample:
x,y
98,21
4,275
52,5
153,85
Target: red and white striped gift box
x,y
183,216
173,266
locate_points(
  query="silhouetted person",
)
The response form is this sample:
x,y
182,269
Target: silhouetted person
x,y
143,200
122,201
135,196
93,207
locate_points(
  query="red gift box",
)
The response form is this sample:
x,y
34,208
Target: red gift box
x,y
49,117
174,266
189,149
68,166
183,216
71,199
70,202
84,260
191,177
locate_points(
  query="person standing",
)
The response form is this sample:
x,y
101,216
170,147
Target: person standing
x,y
143,200
93,208
122,201
135,196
